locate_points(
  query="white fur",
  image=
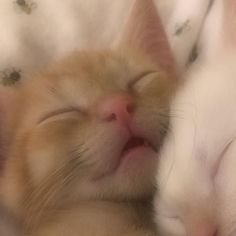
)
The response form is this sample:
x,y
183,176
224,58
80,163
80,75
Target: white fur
x,y
197,172
201,130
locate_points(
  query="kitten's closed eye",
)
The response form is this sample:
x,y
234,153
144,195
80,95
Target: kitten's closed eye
x,y
141,81
137,84
64,113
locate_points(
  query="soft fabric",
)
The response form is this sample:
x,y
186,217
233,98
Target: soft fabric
x,y
34,33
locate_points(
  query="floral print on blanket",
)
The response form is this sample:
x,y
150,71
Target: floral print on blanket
x,y
182,28
10,76
194,55
25,6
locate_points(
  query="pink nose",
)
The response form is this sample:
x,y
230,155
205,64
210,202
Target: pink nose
x,y
118,109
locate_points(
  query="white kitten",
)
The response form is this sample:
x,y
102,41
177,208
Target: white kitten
x,y
197,175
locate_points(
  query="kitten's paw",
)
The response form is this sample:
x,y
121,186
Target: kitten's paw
x,y
195,221
168,222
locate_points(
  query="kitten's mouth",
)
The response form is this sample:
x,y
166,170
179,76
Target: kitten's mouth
x,y
135,149
136,142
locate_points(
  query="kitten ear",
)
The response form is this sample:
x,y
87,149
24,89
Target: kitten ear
x,y
145,32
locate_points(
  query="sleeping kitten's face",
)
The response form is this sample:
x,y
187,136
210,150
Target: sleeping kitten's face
x,y
96,119
88,128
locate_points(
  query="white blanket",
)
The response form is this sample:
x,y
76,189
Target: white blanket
x,y
36,32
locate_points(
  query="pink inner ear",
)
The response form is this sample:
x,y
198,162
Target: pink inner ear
x,y
144,31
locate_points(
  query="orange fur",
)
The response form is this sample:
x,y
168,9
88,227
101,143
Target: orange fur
x,y
59,178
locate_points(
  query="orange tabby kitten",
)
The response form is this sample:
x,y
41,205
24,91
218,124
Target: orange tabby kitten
x,y
82,137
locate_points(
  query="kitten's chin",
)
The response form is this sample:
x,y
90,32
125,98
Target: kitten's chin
x,y
133,175
133,179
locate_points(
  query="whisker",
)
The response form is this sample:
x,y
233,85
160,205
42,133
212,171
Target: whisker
x,y
39,200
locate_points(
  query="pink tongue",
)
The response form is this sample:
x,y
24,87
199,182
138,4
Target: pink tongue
x,y
133,142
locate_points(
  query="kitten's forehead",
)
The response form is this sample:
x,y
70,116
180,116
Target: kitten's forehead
x,y
88,77
85,77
